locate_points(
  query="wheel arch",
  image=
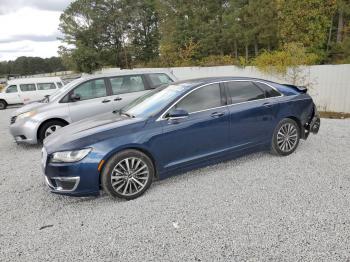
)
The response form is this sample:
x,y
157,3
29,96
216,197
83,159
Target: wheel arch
x,y
131,147
48,120
297,120
2,99
303,133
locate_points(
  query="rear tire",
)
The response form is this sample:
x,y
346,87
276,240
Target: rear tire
x,y
127,174
3,104
49,128
285,138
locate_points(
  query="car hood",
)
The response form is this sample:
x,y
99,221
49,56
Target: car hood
x,y
90,131
29,107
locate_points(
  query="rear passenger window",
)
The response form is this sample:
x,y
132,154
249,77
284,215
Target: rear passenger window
x,y
59,84
206,97
127,84
91,89
12,89
46,86
27,87
243,91
269,91
159,79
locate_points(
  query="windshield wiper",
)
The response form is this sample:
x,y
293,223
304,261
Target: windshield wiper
x,y
122,112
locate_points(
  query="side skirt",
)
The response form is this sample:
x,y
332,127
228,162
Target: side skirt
x,y
214,160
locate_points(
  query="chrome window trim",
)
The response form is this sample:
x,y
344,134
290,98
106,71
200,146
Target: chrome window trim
x,y
219,82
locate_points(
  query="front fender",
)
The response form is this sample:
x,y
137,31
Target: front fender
x,y
134,146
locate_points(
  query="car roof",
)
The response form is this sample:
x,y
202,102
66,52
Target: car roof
x,y
127,72
192,83
30,80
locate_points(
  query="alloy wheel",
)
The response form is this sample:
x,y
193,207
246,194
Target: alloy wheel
x,y
130,176
51,129
287,137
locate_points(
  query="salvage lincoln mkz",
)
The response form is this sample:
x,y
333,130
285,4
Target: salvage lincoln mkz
x,y
176,128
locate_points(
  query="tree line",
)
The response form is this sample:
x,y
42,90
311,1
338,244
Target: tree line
x,y
127,33
31,65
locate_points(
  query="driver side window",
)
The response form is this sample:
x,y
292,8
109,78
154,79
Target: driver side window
x,y
12,89
204,98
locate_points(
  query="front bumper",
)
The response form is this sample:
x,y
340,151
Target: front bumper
x,y
73,179
24,131
62,184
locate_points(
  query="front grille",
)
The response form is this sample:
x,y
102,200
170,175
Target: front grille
x,y
13,120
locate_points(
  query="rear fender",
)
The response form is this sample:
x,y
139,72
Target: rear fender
x,y
301,109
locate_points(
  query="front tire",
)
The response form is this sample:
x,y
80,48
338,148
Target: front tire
x,y
49,128
286,137
3,104
127,174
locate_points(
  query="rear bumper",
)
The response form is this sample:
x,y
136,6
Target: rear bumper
x,y
313,126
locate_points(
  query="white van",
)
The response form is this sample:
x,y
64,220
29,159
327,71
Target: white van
x,y
26,90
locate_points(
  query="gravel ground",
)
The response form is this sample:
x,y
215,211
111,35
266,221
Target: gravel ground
x,y
257,208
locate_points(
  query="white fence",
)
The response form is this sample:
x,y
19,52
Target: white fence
x,y
330,88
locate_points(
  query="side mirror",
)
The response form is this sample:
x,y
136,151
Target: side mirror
x,y
74,97
177,114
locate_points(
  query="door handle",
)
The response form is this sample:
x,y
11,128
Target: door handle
x,y
217,114
267,104
118,99
106,101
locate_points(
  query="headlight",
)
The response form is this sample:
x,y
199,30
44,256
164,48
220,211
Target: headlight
x,y
70,156
27,114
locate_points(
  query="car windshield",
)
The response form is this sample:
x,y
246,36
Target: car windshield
x,y
61,90
154,101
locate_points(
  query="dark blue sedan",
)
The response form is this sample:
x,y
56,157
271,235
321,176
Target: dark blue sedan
x,y
176,128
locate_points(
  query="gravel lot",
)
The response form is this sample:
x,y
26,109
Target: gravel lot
x,y
257,208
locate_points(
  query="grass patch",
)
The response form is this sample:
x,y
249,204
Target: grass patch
x,y
334,115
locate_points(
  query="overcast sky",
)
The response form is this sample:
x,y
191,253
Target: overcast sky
x,y
29,27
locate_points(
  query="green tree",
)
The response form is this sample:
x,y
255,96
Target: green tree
x,y
338,45
93,31
343,13
125,33
144,30
287,63
199,22
109,33
305,21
